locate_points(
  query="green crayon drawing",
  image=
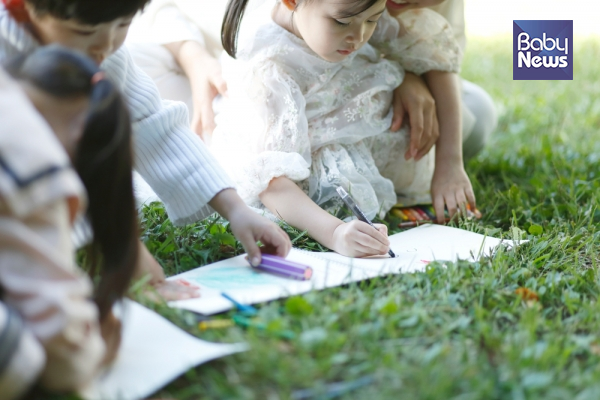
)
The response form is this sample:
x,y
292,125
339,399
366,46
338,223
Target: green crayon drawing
x,y
227,278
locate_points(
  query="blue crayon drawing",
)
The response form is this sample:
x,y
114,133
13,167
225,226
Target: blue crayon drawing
x,y
227,278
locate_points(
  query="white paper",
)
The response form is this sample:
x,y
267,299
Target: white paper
x,y
414,249
153,353
247,285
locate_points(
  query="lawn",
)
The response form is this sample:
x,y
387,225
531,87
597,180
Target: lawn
x,y
456,331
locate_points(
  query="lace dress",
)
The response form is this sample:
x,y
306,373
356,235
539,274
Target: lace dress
x,y
321,124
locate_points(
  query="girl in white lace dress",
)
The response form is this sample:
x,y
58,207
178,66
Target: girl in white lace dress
x,y
309,110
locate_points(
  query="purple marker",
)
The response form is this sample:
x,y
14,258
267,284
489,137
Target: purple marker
x,y
281,266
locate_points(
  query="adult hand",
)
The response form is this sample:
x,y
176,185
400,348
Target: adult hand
x,y
206,83
359,239
413,99
451,186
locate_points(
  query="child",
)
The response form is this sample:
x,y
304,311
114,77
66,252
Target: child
x,y
40,197
309,110
425,46
167,154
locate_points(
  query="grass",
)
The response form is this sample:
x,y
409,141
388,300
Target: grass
x,y
456,331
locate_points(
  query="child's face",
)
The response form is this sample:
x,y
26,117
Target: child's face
x,y
97,41
333,38
396,7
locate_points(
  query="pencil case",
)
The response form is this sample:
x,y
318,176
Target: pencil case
x,y
425,214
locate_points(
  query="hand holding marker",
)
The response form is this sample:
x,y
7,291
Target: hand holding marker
x,y
357,211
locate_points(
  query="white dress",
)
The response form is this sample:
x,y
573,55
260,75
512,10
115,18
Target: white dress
x,y
321,124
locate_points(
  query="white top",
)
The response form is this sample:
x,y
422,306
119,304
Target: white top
x,y
291,113
168,155
39,195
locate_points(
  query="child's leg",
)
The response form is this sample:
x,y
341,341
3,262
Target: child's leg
x,y
479,118
21,355
156,61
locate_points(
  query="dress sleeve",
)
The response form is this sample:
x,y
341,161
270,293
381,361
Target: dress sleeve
x,y
276,141
168,155
420,40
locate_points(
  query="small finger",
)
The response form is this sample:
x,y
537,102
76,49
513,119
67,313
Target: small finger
x,y
451,205
438,205
371,244
220,84
398,115
416,131
249,244
382,228
374,233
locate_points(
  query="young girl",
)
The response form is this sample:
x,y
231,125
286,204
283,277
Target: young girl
x,y
40,196
167,154
309,110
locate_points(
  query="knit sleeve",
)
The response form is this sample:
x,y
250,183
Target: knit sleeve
x,y
168,155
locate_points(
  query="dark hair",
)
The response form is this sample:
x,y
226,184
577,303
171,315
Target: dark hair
x,y
103,159
235,12
89,12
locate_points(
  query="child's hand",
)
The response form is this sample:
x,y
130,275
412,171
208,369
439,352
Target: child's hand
x,y
359,239
249,228
168,290
451,186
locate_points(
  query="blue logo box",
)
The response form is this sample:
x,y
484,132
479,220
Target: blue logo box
x,y
542,50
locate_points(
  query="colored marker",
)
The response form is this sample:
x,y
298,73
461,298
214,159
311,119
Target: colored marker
x,y
282,267
429,213
398,213
215,324
421,213
244,309
411,214
247,323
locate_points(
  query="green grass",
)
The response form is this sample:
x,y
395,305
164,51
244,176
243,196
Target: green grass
x,y
456,331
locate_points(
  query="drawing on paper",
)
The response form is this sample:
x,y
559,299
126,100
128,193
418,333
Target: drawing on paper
x,y
227,278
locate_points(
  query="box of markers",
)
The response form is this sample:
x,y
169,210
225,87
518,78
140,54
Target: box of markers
x,y
420,214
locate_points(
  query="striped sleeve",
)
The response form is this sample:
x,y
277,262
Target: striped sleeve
x,y
168,155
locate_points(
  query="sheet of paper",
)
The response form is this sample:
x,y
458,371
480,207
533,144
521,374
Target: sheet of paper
x,y
248,286
415,248
153,353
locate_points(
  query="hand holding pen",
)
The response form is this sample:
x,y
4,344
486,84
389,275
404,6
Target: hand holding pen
x,y
366,241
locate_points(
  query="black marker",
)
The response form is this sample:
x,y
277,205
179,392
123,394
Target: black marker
x,y
357,211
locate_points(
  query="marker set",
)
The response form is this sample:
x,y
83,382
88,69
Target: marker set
x,y
425,214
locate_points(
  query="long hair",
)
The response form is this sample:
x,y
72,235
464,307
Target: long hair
x,y
103,159
234,13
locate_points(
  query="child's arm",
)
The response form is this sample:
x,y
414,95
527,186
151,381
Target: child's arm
x,y
354,239
450,185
